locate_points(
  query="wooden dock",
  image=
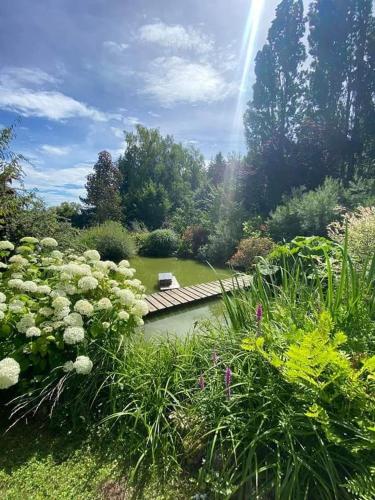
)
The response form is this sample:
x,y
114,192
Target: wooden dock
x,y
161,301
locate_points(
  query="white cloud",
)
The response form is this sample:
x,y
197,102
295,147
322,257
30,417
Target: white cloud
x,y
55,150
22,90
74,177
117,132
176,37
114,47
57,185
46,104
174,79
14,76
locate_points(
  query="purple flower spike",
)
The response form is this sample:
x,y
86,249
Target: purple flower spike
x,y
228,380
215,358
259,313
201,382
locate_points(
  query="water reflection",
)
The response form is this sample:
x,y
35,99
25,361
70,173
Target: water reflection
x,y
184,320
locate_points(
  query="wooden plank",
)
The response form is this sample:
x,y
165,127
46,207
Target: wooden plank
x,y
151,308
201,293
152,300
185,294
211,288
163,300
207,292
173,297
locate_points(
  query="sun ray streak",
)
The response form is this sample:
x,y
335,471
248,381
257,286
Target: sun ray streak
x,y
247,55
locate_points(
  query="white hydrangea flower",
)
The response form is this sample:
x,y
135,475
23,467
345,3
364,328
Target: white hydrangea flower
x,y
56,254
18,260
9,372
98,275
84,307
73,335
29,239
126,297
16,306
124,271
3,265
106,325
72,269
60,302
15,283
29,286
110,265
92,255
46,311
58,293
17,276
68,366
33,331
140,308
3,297
83,365
139,321
6,245
104,304
49,242
3,306
44,289
25,322
88,283
73,319
47,330
123,315
71,289
62,312
101,266
124,263
2,315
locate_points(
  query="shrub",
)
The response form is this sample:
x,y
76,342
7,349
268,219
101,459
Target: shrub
x,y
110,239
360,225
160,243
192,239
247,251
59,313
221,245
306,213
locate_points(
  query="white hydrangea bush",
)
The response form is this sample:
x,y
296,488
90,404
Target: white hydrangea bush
x,y
55,306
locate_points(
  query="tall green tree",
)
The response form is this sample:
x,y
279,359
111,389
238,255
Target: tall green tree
x,y
272,114
158,176
341,91
103,200
216,170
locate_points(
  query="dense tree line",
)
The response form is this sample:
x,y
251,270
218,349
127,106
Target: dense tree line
x,y
312,113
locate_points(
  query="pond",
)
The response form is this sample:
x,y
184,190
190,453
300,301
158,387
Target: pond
x,y
183,320
187,271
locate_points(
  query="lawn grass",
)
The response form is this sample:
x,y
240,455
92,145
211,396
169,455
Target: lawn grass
x,y
38,462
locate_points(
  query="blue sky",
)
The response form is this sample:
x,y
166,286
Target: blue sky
x,y
74,74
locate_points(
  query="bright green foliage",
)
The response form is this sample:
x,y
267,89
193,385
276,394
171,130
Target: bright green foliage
x,y
159,243
306,213
360,228
110,239
158,176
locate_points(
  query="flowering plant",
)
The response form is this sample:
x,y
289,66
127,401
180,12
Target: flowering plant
x,y
55,307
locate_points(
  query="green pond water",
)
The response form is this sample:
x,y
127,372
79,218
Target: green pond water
x,y
187,271
184,320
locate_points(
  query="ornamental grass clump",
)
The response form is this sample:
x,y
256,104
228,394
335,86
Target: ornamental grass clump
x,y
60,312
